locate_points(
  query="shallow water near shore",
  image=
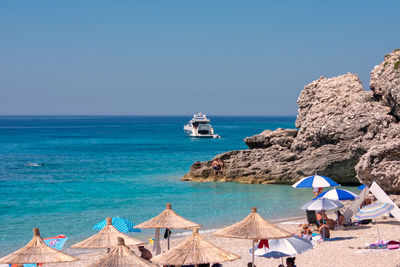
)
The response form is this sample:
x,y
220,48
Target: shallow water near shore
x,y
127,166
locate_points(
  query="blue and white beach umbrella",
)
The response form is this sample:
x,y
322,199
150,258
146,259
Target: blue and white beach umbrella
x,y
373,210
361,187
338,194
315,181
121,224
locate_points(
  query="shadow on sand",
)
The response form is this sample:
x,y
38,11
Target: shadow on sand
x,y
389,222
340,238
358,227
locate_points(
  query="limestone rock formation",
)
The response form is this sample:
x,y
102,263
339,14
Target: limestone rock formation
x,y
337,123
385,82
282,137
381,164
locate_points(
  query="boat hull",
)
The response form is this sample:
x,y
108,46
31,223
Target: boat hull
x,y
190,133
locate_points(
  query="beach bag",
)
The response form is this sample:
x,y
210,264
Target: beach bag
x,y
365,221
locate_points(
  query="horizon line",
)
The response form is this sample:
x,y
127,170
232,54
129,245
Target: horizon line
x,y
139,115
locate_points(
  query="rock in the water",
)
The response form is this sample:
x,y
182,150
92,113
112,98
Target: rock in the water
x,y
338,122
381,164
385,82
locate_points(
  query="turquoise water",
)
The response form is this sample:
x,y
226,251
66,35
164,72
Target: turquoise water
x,y
101,166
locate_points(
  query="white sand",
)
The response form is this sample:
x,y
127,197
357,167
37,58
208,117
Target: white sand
x,y
347,251
343,252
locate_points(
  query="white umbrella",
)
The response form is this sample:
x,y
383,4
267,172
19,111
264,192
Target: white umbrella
x,y
322,204
279,248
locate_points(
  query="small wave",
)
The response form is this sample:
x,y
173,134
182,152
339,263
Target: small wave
x,y
33,164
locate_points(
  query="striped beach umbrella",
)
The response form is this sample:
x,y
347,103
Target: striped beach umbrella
x,y
338,194
315,181
373,210
121,224
56,242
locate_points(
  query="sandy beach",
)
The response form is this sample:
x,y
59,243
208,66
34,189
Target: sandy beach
x,y
344,249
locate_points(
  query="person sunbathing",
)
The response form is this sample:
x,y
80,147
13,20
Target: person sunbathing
x,y
341,218
331,223
365,202
321,217
324,231
305,230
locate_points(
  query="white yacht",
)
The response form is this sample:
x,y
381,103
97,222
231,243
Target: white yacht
x,y
199,126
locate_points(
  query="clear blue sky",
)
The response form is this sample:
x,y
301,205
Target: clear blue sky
x,y
181,57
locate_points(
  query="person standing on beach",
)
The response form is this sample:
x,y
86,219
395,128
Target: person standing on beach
x,y
317,191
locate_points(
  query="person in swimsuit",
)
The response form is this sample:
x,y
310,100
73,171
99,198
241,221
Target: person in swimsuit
x,y
341,219
324,232
145,253
305,230
290,262
317,191
221,164
216,167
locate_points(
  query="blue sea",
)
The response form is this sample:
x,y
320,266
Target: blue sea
x,y
127,166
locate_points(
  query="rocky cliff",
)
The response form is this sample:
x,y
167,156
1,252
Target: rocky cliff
x,y
339,126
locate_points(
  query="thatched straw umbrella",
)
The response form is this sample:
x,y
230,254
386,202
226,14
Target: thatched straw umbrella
x,y
36,251
253,227
121,256
107,238
194,250
85,259
166,219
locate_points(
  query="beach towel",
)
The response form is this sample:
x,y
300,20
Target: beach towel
x,y
263,243
167,233
391,247
25,265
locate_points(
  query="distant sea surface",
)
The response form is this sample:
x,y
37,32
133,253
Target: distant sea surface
x,y
127,166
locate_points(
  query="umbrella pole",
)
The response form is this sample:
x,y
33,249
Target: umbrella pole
x,y
337,220
377,229
156,246
252,255
168,242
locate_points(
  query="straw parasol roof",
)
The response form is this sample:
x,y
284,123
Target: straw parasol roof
x,y
168,219
107,238
194,250
36,251
253,227
85,258
121,256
